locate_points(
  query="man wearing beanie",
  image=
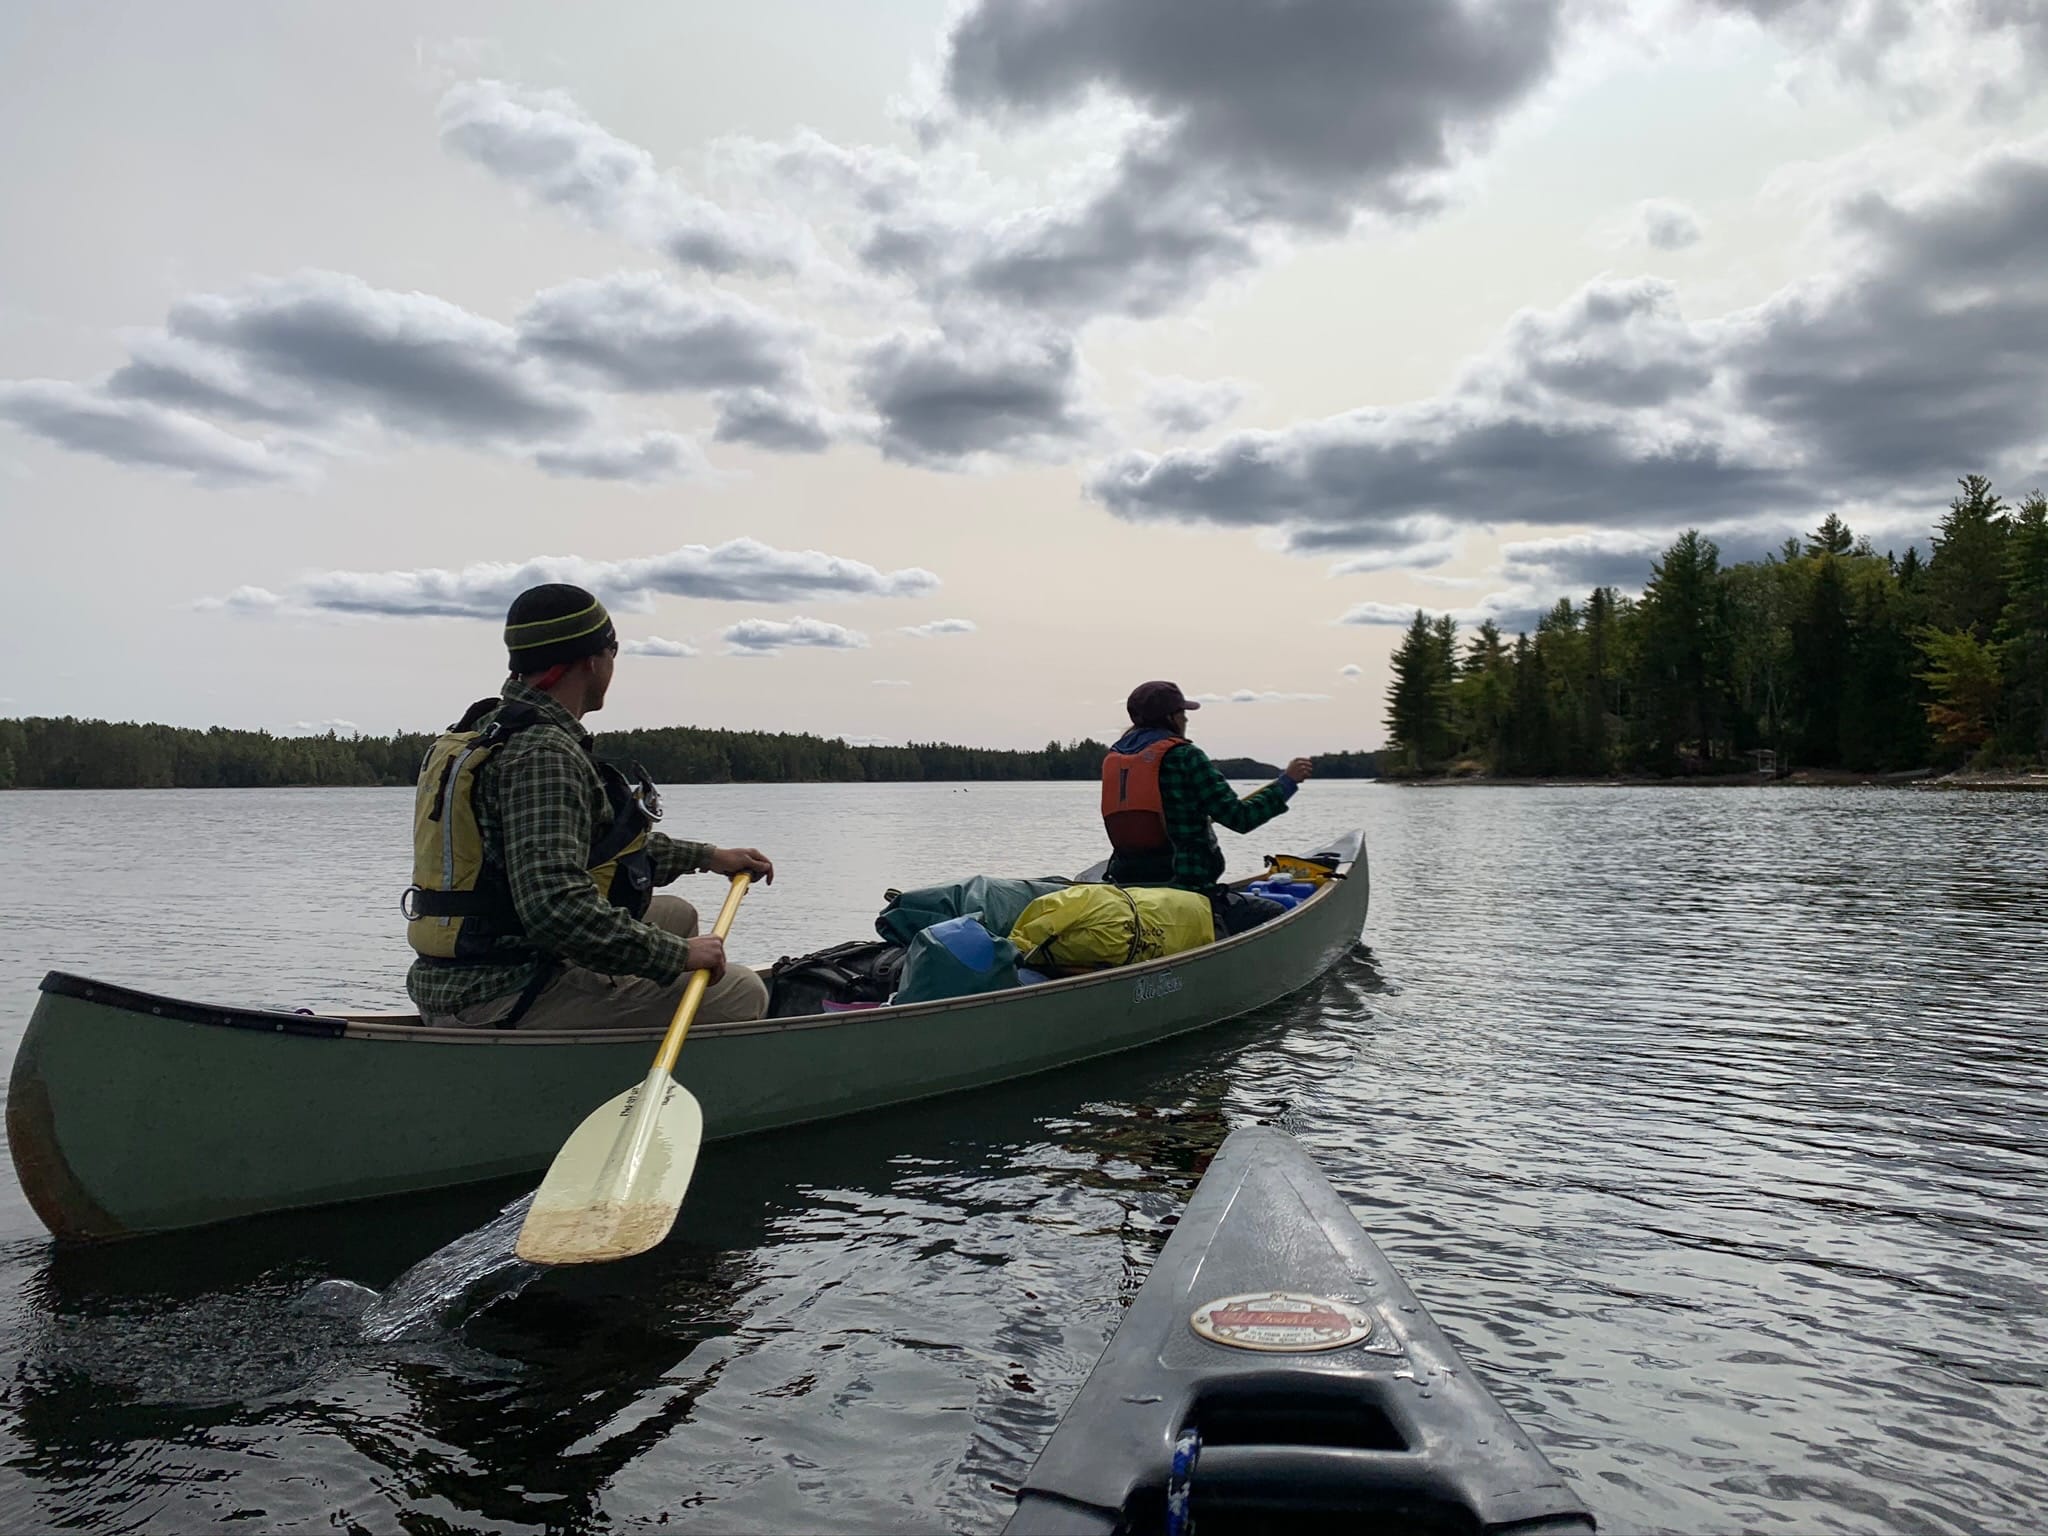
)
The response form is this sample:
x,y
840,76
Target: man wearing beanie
x,y
546,946
1160,796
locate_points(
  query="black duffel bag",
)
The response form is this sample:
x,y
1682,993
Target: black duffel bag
x,y
860,971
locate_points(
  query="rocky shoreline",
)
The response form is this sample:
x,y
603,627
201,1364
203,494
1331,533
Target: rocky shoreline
x,y
1807,778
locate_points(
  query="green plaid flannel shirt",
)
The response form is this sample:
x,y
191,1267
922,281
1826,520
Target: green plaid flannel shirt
x,y
540,806
1193,794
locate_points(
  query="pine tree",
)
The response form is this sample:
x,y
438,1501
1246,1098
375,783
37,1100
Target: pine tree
x,y
1688,660
1820,661
2023,630
1480,695
1966,576
1594,700
1831,538
1418,700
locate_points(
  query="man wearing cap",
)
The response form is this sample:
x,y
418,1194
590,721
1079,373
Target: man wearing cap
x,y
1161,797
558,927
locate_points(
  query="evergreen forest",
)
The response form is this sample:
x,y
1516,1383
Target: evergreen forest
x,y
96,754
1823,655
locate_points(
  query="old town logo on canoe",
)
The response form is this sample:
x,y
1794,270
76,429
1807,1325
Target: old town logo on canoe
x,y
1289,1322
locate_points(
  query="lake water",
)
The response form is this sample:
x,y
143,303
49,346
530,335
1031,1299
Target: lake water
x,y
1709,1124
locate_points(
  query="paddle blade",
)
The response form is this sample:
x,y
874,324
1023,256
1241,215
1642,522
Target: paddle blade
x,y
614,1188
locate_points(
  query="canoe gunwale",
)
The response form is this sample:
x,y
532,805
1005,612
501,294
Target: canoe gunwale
x,y
402,1028
174,1010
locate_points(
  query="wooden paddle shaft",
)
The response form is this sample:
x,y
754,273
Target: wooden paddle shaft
x,y
700,982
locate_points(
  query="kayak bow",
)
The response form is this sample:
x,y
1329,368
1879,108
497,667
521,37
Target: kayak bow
x,y
1274,1373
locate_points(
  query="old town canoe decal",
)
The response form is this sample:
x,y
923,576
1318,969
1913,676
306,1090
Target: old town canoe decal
x,y
1285,1322
1165,984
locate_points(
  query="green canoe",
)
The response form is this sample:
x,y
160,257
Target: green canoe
x,y
130,1113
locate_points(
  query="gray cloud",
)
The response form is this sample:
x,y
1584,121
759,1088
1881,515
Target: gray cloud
x,y
1929,358
1188,406
414,364
175,373
941,627
1582,561
890,682
1668,226
1402,544
1925,351
647,460
636,331
1349,481
1351,672
545,145
1291,117
947,398
141,434
1142,246
326,357
763,637
739,571
761,418
654,645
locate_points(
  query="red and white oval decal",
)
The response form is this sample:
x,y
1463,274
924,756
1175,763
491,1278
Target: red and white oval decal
x,y
1283,1322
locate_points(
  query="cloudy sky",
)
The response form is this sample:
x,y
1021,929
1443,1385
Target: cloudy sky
x,y
910,369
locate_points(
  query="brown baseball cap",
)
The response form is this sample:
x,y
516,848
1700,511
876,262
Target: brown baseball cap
x,y
1154,703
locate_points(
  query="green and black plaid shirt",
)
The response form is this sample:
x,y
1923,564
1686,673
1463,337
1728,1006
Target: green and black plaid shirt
x,y
1194,799
540,806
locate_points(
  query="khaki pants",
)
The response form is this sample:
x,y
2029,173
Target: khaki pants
x,y
586,999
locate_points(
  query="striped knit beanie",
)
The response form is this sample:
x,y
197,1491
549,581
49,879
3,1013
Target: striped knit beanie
x,y
552,624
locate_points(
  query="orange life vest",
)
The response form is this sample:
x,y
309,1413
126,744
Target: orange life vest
x,y
1133,814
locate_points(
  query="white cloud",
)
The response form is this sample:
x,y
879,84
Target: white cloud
x,y
890,682
763,637
1351,672
1259,696
322,728
941,627
1379,613
654,645
1667,225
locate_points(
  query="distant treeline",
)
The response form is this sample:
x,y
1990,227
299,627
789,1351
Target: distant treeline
x,y
95,754
1825,654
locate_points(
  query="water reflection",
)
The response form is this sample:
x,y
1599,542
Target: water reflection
x,y
869,1324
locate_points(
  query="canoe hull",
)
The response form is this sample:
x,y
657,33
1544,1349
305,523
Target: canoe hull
x,y
129,1113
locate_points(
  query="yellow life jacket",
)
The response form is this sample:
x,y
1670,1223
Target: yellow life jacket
x,y
1086,926
459,906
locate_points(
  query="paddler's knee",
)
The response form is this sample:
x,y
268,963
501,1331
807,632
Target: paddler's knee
x,y
673,915
740,994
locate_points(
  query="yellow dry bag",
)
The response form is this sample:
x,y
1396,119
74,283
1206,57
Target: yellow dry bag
x,y
1087,926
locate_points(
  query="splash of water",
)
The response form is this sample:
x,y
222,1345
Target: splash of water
x,y
441,1292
